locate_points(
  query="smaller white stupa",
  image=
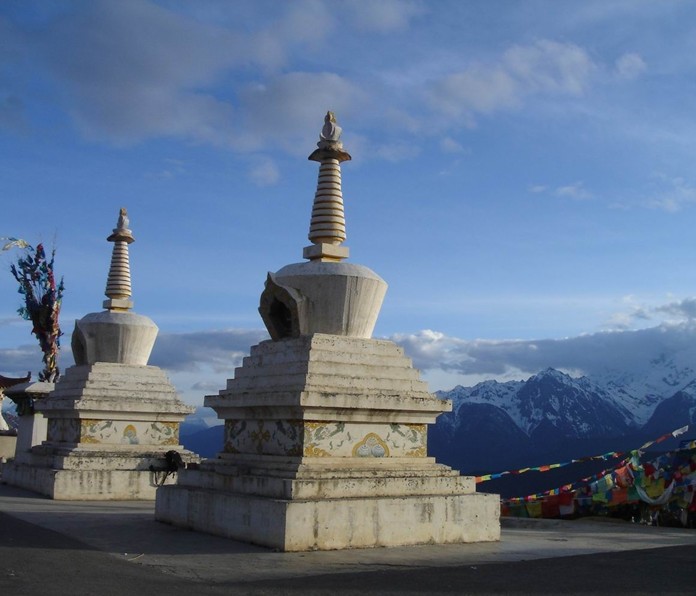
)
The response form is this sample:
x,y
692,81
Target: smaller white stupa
x,y
113,421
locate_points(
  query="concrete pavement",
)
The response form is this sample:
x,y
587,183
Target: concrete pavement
x,y
74,545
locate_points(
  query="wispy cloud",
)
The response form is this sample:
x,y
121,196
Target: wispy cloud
x,y
264,172
130,71
544,67
384,16
449,145
17,361
677,194
219,350
574,190
630,66
591,354
682,309
636,312
290,103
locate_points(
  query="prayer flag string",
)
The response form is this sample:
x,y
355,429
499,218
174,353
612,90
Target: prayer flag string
x,y
603,456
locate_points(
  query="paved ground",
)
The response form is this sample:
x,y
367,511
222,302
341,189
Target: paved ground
x,y
92,548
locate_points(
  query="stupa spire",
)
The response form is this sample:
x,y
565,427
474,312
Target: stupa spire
x,y
118,284
327,229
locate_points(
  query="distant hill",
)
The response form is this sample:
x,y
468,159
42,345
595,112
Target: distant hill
x,y
206,443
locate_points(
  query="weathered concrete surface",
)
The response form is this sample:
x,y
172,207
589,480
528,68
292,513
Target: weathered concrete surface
x,y
533,557
8,445
338,523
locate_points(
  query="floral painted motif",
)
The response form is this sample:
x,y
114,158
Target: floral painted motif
x,y
260,436
233,431
371,446
413,439
268,437
324,439
63,430
97,431
162,433
115,432
314,438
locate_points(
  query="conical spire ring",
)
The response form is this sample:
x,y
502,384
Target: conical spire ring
x,y
118,283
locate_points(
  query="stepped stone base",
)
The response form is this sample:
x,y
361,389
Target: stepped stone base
x,y
327,524
109,427
326,448
90,484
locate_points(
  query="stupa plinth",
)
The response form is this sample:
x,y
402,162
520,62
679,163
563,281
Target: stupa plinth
x,y
112,420
326,428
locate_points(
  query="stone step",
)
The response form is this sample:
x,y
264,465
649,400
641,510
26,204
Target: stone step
x,y
374,369
319,342
326,383
329,488
387,407
394,358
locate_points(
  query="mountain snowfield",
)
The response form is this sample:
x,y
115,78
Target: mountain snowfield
x,y
613,402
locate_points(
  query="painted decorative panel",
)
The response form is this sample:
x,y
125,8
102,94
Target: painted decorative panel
x,y
63,430
344,439
123,432
268,437
324,439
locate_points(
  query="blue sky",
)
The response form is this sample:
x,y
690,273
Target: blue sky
x,y
521,171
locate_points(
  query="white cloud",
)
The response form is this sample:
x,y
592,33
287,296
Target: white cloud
x,y
305,21
15,362
265,172
636,313
384,16
678,194
622,321
133,70
545,67
479,89
206,386
396,152
573,191
219,350
591,354
550,67
681,310
288,110
449,145
630,66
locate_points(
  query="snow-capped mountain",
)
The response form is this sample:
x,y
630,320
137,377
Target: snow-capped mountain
x,y
674,412
651,371
202,419
611,402
552,415
549,403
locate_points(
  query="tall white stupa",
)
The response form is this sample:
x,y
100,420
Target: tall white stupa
x,y
326,428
